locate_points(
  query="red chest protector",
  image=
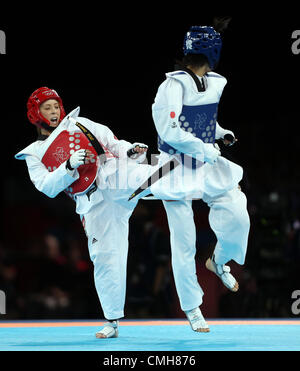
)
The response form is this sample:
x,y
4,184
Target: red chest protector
x,y
63,146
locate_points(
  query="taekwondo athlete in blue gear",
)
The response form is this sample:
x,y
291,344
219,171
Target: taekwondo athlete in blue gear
x,y
185,114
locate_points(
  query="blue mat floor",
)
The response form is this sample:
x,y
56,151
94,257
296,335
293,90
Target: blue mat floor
x,y
177,338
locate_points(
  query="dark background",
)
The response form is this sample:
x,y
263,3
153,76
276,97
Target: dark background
x,y
112,67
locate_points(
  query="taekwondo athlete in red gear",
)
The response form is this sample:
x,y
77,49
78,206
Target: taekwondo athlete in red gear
x,y
62,159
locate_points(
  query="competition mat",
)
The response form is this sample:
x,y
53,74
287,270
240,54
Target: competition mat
x,y
157,336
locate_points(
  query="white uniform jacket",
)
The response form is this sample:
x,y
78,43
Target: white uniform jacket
x,y
180,90
194,136
58,180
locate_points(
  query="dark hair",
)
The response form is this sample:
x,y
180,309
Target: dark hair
x,y
221,22
192,60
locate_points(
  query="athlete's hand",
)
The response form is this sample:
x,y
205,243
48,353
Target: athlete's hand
x,y
137,149
211,153
229,140
79,158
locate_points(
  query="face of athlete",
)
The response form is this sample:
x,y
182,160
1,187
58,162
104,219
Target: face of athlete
x,y
50,109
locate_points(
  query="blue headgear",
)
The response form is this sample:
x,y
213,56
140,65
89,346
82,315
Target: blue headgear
x,y
204,40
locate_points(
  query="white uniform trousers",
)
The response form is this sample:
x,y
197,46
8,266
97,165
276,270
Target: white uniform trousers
x,y
228,218
106,226
183,248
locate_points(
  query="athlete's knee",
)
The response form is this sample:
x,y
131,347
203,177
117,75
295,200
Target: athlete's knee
x,y
243,220
243,212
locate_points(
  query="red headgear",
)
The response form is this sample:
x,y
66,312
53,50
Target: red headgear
x,y
33,106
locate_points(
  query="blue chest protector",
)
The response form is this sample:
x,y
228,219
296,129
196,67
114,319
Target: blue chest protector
x,y
200,121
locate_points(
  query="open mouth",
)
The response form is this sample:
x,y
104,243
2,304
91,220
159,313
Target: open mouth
x,y
54,120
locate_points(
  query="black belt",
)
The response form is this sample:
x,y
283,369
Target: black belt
x,y
93,189
94,142
160,173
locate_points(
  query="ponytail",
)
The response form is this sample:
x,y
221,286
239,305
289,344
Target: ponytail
x,y
221,23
